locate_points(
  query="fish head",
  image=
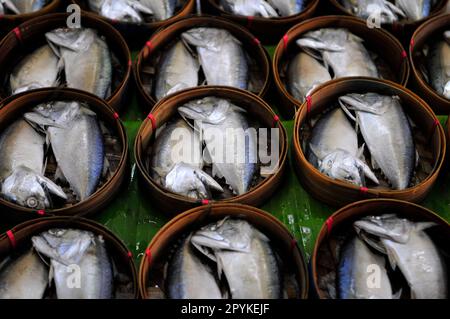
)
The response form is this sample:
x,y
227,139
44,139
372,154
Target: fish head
x,y
229,234
29,189
208,110
387,226
342,165
187,180
66,246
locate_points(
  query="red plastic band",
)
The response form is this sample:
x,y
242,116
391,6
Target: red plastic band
x,y
116,115
130,254
257,42
11,238
153,120
308,104
285,41
436,122
130,63
41,212
149,45
404,55
250,21
329,224
411,44
148,253
205,202
18,34
276,119
364,190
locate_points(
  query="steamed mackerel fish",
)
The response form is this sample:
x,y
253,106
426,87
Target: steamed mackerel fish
x,y
68,247
39,69
304,74
353,275
221,55
225,124
333,149
162,9
23,277
244,256
387,133
120,10
189,277
21,6
288,8
182,172
409,248
415,9
22,167
86,59
439,66
366,9
249,8
341,51
76,140
178,70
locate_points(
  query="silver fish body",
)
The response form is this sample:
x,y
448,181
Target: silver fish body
x,y
415,9
333,149
288,7
387,133
24,277
122,10
22,167
76,141
250,8
178,165
388,12
304,74
77,252
190,278
24,6
439,67
178,70
224,125
221,55
410,249
162,9
37,70
357,264
86,59
341,51
244,256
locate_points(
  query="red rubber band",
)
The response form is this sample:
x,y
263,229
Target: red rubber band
x,y
11,238
364,190
130,63
153,120
250,21
148,253
411,44
276,119
130,254
18,34
329,223
436,122
116,115
293,243
41,212
404,55
308,104
257,42
149,45
205,202
285,41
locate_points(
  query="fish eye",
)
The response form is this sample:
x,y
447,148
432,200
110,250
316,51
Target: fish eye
x,y
32,202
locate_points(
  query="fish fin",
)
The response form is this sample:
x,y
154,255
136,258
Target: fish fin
x,y
346,109
374,163
395,9
11,6
207,158
38,121
424,225
391,257
368,172
51,187
317,44
267,11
